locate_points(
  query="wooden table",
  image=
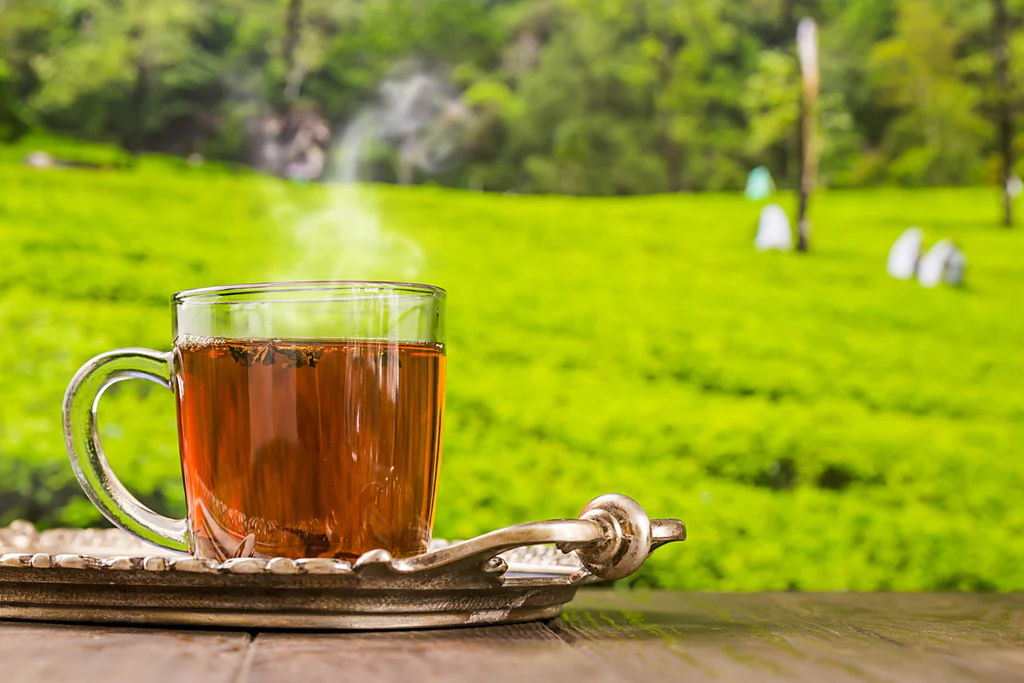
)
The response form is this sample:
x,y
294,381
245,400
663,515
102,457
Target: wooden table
x,y
605,637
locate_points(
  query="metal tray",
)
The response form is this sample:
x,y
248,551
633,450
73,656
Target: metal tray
x,y
92,575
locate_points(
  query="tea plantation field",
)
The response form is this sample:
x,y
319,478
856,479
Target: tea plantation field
x,y
817,424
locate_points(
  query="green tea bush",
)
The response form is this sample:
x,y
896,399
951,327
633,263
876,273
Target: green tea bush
x,y
817,424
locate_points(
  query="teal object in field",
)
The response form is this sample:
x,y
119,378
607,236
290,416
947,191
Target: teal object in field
x,y
759,184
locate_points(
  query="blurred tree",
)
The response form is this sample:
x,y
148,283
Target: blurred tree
x,y
13,120
1004,96
598,96
699,106
632,96
108,57
585,127
1015,46
937,133
293,73
24,32
852,120
771,102
304,31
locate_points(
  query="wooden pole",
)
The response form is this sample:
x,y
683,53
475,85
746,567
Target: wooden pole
x,y
1004,116
807,49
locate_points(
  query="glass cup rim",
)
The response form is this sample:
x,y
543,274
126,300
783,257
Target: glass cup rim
x,y
224,294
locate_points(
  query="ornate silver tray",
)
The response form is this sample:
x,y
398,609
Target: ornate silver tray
x,y
509,575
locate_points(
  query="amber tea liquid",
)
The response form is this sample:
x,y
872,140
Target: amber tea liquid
x,y
309,449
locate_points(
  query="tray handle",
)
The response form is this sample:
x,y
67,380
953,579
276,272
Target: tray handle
x,y
612,538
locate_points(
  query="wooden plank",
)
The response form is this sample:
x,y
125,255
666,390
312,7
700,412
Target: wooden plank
x,y
604,637
494,654
56,653
650,637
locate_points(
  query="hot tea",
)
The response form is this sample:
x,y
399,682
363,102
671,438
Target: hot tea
x,y
309,449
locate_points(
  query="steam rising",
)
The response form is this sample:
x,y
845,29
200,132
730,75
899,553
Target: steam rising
x,y
422,119
344,240
419,115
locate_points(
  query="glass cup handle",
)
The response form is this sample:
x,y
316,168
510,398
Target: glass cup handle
x,y
82,438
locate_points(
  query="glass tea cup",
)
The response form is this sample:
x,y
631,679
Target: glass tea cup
x,y
309,420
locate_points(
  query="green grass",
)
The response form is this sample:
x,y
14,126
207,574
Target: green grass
x,y
817,424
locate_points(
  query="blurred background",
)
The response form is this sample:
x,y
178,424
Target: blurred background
x,y
587,179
